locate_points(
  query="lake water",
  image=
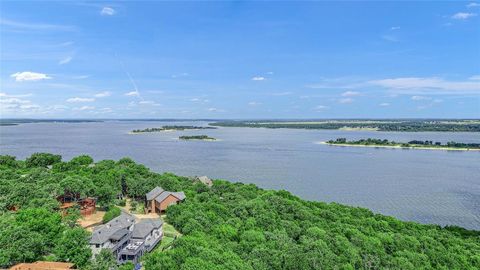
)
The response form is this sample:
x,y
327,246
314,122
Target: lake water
x,y
441,187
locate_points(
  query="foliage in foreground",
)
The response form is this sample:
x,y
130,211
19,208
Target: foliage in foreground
x,y
228,226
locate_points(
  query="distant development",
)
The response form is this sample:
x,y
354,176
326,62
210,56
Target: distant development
x,y
411,144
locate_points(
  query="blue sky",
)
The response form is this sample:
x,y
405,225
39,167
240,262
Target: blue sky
x,y
66,59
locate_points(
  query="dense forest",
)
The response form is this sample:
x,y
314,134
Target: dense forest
x,y
380,125
226,226
413,143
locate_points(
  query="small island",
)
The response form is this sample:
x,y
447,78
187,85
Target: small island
x,y
197,137
170,128
415,144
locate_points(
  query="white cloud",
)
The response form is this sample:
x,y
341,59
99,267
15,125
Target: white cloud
x,y
148,102
282,94
345,100
80,77
29,76
13,101
384,104
463,15
431,85
390,38
475,78
84,108
270,72
35,26
393,28
78,99
350,94
254,103
473,4
14,105
132,94
184,74
418,98
320,108
258,78
107,11
215,110
103,94
65,60
15,96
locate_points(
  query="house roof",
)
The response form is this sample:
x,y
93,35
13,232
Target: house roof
x,y
179,195
119,234
103,233
154,193
145,227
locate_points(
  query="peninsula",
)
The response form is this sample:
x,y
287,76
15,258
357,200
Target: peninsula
x,y
170,128
400,125
415,144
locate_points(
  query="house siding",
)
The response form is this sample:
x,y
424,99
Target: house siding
x,y
162,206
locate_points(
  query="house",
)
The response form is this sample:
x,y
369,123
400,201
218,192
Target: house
x,y
43,266
145,236
157,200
127,239
114,235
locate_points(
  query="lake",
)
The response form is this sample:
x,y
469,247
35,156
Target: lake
x,y
427,186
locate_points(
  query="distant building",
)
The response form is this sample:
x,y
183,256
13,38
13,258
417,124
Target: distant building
x,y
157,200
43,266
126,239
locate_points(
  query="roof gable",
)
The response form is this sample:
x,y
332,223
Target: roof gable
x,y
154,193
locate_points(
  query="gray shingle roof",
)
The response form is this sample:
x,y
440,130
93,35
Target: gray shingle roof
x,y
102,233
145,227
179,195
118,234
154,193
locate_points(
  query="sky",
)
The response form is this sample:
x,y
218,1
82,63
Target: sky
x,y
239,59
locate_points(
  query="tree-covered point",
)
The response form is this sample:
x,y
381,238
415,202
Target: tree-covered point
x,y
170,128
197,137
379,125
226,226
413,143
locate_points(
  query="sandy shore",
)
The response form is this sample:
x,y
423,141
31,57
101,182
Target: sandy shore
x,y
400,147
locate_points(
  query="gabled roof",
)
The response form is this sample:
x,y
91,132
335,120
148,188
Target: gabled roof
x,y
179,195
145,227
113,228
154,193
162,196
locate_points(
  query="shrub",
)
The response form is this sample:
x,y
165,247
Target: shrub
x,y
112,213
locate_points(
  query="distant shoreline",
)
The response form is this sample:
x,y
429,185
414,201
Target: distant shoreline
x,y
399,147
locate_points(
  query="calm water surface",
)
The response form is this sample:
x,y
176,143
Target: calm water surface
x,y
441,187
